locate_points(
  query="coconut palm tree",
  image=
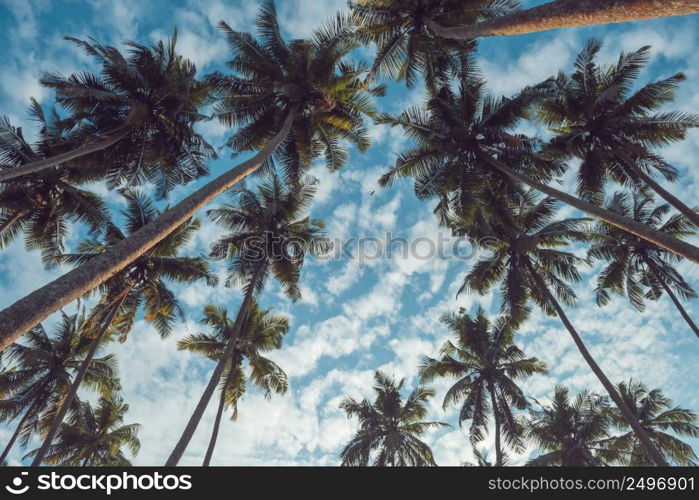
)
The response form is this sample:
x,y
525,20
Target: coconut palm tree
x,y
322,106
39,376
598,118
530,265
465,145
40,205
405,48
262,331
637,268
455,133
571,433
269,235
95,436
658,416
564,14
488,365
389,428
311,79
141,284
135,120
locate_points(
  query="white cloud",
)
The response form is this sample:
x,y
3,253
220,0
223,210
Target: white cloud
x,y
538,61
300,17
25,13
119,19
328,182
339,283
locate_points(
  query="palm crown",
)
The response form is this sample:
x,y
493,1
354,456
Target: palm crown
x,y
390,427
526,241
486,362
269,233
405,48
598,117
95,436
636,267
458,134
40,205
312,79
145,279
262,331
40,370
657,415
153,97
572,433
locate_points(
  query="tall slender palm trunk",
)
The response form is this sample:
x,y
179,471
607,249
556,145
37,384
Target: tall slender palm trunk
x,y
219,415
84,366
681,309
29,311
496,418
673,297
15,434
567,14
644,232
194,420
684,209
28,414
39,165
629,416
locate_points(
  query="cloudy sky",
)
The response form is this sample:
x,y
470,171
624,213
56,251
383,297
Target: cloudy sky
x,y
353,319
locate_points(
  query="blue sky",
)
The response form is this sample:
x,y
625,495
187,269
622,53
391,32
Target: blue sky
x,y
352,320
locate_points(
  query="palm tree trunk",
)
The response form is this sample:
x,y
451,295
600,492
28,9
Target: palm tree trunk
x,y
673,297
654,236
15,434
567,14
20,425
219,414
685,210
631,419
29,311
194,420
681,309
39,165
70,397
496,417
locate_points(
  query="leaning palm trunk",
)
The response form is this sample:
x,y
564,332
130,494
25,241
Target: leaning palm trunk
x,y
567,14
27,415
39,165
219,415
32,309
685,210
84,366
630,418
194,420
658,275
496,417
674,245
17,431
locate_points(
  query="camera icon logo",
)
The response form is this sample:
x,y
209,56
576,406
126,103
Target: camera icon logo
x,y
16,488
